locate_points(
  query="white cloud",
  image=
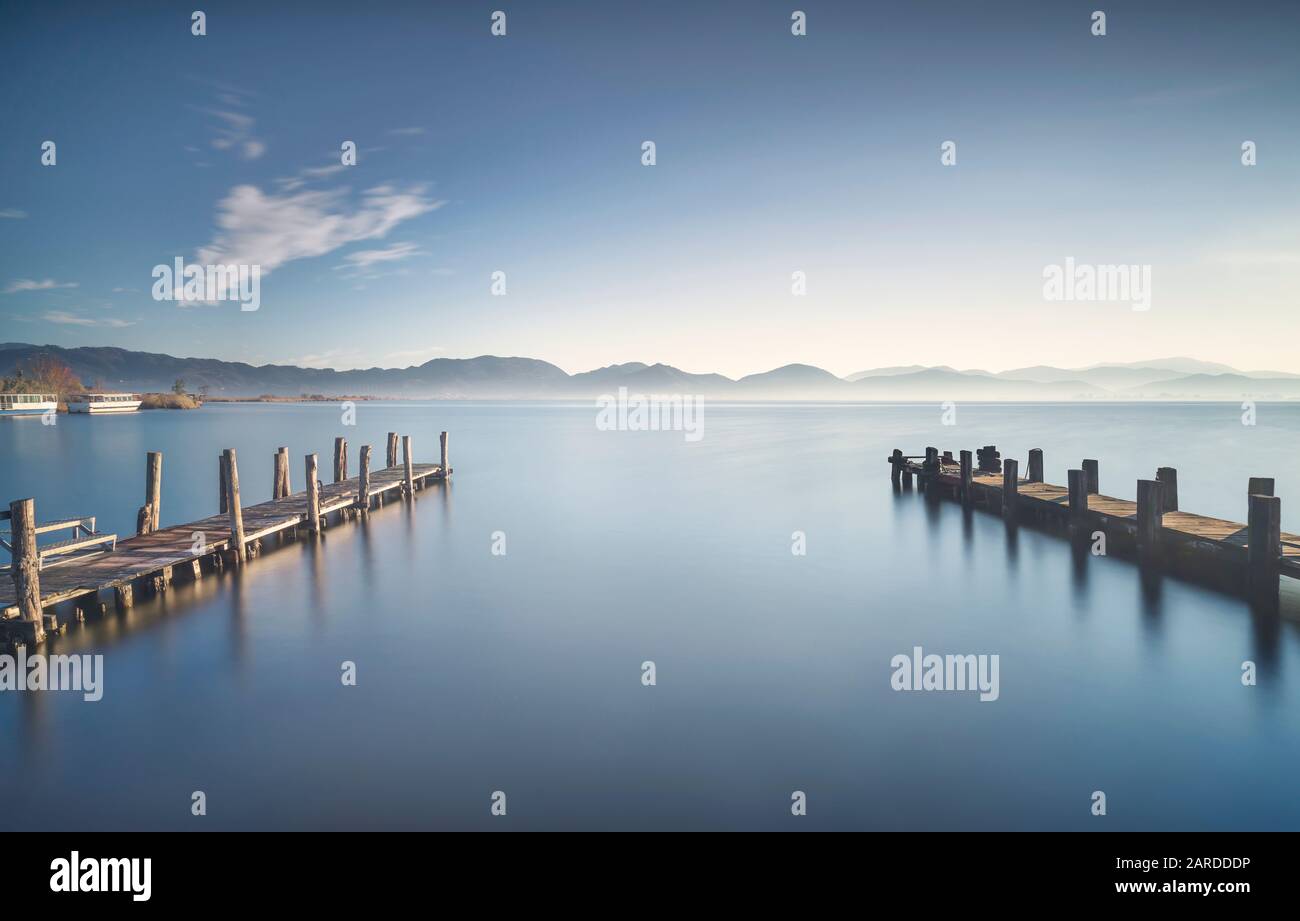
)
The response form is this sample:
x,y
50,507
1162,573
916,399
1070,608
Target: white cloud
x,y
365,258
63,318
13,214
408,132
27,284
235,133
268,230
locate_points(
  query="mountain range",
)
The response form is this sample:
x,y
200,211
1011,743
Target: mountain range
x,y
491,377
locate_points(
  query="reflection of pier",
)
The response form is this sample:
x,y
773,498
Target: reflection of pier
x,y
1247,557
152,558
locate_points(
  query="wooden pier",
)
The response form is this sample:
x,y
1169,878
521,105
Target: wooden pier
x,y
1245,558
151,559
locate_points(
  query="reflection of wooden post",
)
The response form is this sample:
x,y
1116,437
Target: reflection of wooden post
x,y
153,487
1168,479
236,513
1078,486
410,468
25,568
442,440
966,474
1010,487
1035,465
1264,546
363,487
1149,511
224,501
1092,475
340,459
313,495
392,450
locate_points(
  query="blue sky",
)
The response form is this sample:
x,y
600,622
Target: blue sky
x,y
775,154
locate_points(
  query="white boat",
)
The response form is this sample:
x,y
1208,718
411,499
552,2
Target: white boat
x,y
27,404
103,403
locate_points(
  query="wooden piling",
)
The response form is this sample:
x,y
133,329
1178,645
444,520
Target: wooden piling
x,y
223,500
1035,465
1260,486
144,519
1150,505
236,513
392,450
1264,530
313,495
277,474
124,596
153,487
896,467
967,470
340,459
1010,487
25,568
442,442
1077,483
408,461
363,486
1168,479
1092,475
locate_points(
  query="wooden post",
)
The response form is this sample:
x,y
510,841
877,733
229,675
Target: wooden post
x,y
1078,486
224,502
153,487
1264,546
896,467
409,463
1093,477
277,475
340,459
144,520
1035,465
313,495
363,488
236,513
967,470
392,450
1150,509
442,441
1260,486
25,568
1168,479
1010,487
124,596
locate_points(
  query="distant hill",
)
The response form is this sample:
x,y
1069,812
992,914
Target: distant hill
x,y
493,377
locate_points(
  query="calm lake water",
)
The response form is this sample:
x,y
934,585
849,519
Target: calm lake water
x,y
522,673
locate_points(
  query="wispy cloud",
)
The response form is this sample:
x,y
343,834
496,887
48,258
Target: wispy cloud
x,y
266,229
27,284
234,130
12,214
362,261
415,356
64,318
412,131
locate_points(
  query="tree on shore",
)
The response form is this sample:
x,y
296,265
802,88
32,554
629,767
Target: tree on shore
x,y
178,388
42,373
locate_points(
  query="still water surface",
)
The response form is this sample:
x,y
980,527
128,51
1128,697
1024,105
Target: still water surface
x,y
522,672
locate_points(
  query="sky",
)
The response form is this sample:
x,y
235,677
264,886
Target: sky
x,y
775,154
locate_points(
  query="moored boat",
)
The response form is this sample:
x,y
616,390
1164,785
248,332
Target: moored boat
x,y
103,403
27,404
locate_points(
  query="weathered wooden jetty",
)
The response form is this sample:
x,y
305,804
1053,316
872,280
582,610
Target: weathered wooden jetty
x,y
44,576
1246,558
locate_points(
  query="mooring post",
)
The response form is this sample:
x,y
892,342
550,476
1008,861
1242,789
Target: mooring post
x,y
1150,506
313,495
1168,479
143,520
363,487
409,464
1090,469
286,489
1010,487
153,487
236,513
340,459
929,467
392,450
25,568
1035,465
1078,486
1264,546
1260,486
277,475
442,442
223,501
896,467
967,471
